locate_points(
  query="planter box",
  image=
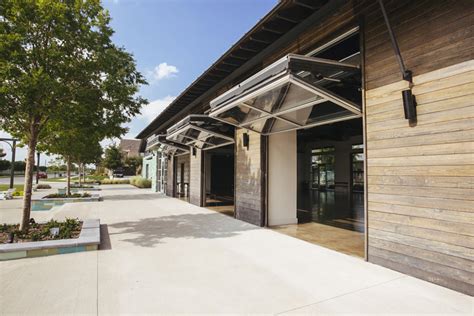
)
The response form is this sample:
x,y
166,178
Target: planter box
x,y
47,204
89,239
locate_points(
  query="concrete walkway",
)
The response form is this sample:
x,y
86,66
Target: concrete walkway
x,y
163,255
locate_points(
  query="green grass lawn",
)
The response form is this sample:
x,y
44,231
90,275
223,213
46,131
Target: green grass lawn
x,y
5,187
55,179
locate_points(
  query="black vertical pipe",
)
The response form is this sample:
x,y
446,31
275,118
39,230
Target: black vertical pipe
x,y
405,73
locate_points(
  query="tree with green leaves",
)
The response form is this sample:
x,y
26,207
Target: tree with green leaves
x,y
134,163
113,158
5,165
57,58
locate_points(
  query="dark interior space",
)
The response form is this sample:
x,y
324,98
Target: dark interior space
x,y
219,176
331,175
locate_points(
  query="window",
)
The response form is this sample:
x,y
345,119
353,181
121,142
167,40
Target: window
x,y
322,168
357,166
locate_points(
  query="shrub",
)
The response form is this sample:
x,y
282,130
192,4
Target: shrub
x,y
43,186
18,193
61,195
140,182
82,186
115,181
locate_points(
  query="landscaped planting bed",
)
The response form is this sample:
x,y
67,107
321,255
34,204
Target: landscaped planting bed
x,y
66,196
43,186
68,240
70,228
115,181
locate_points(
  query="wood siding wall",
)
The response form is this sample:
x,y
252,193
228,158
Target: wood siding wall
x,y
248,179
170,181
421,179
195,183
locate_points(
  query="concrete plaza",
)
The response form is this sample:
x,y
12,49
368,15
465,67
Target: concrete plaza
x,y
161,255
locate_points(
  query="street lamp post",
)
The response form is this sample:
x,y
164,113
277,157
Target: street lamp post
x,y
12,167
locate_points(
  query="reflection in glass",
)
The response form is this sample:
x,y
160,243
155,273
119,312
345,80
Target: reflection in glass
x,y
295,92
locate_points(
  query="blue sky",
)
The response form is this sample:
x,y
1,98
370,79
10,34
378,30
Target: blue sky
x,y
174,41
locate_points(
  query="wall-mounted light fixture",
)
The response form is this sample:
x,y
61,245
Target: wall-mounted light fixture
x,y
246,140
194,151
409,105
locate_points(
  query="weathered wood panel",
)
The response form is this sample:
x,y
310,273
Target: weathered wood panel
x,y
249,181
170,182
421,178
431,35
195,178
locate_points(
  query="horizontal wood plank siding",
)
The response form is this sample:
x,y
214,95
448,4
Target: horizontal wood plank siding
x,y
195,178
249,182
421,178
431,34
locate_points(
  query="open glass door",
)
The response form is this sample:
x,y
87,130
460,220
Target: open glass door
x,y
293,93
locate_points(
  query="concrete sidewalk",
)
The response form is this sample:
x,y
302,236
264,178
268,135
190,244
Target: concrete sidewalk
x,y
166,256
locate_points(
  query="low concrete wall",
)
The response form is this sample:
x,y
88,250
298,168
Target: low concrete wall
x,y
89,239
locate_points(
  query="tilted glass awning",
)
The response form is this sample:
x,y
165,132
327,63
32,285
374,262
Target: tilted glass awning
x,y
202,132
294,92
160,143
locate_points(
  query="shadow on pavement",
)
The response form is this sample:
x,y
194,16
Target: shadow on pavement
x,y
150,231
105,243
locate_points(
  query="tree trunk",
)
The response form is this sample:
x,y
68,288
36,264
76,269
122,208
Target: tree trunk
x,y
28,188
68,175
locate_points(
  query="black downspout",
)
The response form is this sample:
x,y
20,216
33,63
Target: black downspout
x,y
409,101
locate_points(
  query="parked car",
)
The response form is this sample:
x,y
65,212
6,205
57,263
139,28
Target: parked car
x,y
118,173
42,175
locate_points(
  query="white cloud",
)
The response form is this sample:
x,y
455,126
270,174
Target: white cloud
x,y
154,108
163,71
